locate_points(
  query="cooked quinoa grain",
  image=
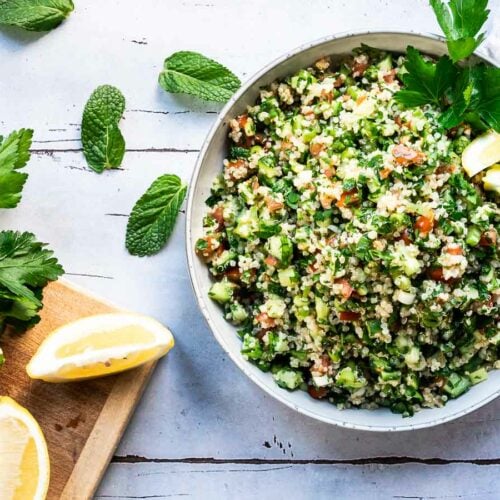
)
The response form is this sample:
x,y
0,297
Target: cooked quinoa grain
x,y
358,261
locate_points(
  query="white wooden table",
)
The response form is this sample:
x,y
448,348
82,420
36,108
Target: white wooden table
x,y
203,430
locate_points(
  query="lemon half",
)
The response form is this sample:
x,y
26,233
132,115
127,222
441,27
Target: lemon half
x,y
24,459
481,153
99,345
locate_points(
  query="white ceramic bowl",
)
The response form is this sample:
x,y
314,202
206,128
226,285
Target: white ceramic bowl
x,y
209,164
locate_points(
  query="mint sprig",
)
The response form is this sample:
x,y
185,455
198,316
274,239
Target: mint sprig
x,y
193,73
14,155
35,15
153,217
461,22
102,140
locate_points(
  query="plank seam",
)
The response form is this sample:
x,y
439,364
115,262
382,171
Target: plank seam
x,y
139,150
393,460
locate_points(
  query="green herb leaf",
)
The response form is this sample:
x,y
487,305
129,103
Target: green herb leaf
x,y
14,154
153,217
475,99
103,143
35,15
426,82
192,73
26,266
461,21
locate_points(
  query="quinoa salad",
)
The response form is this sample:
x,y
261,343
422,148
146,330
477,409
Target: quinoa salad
x,y
357,259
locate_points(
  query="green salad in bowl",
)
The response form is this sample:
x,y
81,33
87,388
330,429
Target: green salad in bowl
x,y
358,260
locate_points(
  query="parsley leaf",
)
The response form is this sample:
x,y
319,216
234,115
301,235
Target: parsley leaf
x,y
26,266
193,73
35,15
153,217
14,154
461,21
425,81
475,99
103,143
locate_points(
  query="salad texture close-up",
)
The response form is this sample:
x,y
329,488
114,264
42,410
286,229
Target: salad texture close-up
x,y
347,241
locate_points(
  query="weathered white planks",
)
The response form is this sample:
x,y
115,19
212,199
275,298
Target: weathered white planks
x,y
300,482
198,404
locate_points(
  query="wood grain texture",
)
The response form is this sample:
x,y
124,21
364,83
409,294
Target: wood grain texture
x,y
82,422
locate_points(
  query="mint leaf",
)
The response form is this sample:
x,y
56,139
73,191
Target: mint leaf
x,y
192,73
425,81
475,99
26,266
153,217
103,143
14,155
461,21
35,15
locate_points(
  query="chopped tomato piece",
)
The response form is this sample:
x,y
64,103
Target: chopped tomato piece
x,y
384,173
317,392
346,289
233,274
424,224
359,66
338,82
349,316
360,99
316,148
237,169
265,321
218,215
242,120
348,198
407,156
272,204
390,76
328,171
405,236
328,96
208,250
436,274
271,261
455,250
488,239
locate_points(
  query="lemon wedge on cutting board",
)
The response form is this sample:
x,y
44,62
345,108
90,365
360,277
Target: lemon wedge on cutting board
x,y
481,153
24,459
99,345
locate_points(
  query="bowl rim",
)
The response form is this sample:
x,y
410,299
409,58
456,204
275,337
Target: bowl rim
x,y
240,362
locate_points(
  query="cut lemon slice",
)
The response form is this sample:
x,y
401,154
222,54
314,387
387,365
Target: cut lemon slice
x,y
481,153
24,459
491,179
99,345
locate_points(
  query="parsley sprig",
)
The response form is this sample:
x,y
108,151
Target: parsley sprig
x,y
469,92
461,21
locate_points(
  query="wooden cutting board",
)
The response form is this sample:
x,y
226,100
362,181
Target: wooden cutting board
x,y
82,421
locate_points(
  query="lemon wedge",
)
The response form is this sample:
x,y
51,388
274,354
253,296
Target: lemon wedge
x,y
24,459
481,153
99,345
491,179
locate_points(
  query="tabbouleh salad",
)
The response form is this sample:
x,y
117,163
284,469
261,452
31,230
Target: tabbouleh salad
x,y
358,260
